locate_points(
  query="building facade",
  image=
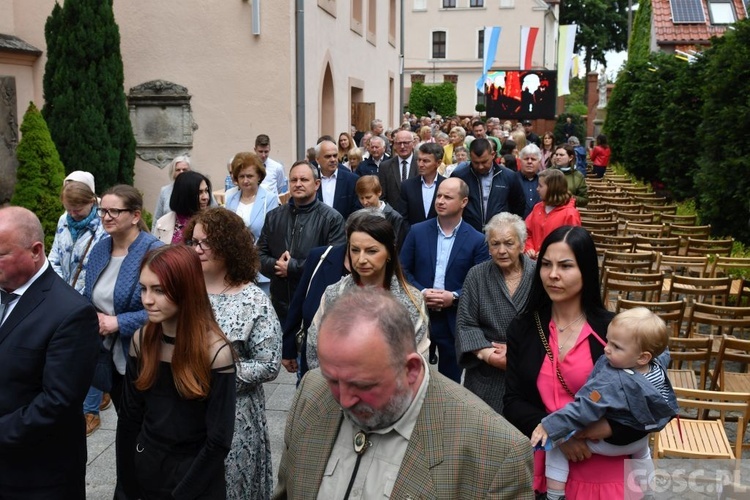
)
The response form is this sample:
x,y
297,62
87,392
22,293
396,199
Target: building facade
x,y
445,41
240,63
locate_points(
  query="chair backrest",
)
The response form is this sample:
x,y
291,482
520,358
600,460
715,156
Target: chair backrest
x,y
666,246
697,246
612,242
659,211
632,208
713,290
682,220
639,190
596,215
612,198
600,226
714,320
672,264
628,262
624,217
640,229
689,231
671,313
735,351
736,268
651,200
645,287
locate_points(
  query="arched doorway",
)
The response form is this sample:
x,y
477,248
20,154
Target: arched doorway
x,y
327,104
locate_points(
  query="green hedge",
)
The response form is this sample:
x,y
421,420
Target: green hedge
x,y
440,98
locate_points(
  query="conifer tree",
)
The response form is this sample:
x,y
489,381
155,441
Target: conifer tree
x,y
40,173
84,92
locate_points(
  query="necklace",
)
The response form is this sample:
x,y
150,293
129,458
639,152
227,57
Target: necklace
x,y
167,339
562,329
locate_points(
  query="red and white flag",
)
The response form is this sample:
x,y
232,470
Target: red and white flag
x,y
528,38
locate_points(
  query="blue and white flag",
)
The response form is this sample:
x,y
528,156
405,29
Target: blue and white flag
x,y
491,37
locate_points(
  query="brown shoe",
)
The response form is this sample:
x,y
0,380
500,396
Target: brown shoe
x,y
106,401
93,422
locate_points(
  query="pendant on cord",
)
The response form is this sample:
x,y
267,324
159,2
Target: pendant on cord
x,y
361,443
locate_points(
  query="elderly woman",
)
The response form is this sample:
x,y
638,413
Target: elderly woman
x,y
564,160
556,209
493,293
244,313
371,248
457,136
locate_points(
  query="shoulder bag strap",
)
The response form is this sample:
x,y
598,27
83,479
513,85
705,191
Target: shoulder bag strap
x,y
315,271
549,354
83,257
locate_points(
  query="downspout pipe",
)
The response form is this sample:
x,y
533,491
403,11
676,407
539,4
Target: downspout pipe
x,y
299,27
402,93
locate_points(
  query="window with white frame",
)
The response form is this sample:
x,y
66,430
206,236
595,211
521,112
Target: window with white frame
x,y
721,12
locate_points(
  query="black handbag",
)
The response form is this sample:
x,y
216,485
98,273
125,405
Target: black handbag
x,y
103,371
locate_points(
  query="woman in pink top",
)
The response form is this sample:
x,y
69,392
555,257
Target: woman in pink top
x,y
556,209
552,347
600,155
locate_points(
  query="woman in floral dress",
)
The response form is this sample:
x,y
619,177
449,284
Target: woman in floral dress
x,y
230,267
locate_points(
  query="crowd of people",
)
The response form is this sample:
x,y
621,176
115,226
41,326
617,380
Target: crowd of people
x,y
446,321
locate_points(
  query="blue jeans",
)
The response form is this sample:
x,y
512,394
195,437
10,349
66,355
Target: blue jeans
x,y
92,401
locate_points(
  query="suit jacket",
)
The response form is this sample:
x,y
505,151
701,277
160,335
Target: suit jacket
x,y
264,203
49,345
506,194
419,259
345,199
412,203
448,455
390,179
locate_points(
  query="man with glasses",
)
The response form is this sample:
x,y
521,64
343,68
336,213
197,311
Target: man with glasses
x,y
397,169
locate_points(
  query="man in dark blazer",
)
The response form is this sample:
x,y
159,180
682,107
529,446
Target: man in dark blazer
x,y
49,342
455,446
414,189
337,184
436,257
376,156
391,173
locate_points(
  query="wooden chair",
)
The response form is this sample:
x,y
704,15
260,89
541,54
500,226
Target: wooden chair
x,y
697,246
625,217
664,246
628,262
679,265
681,220
685,232
645,287
707,290
640,229
600,226
671,312
612,242
685,353
737,352
633,189
596,215
698,437
614,198
708,320
648,199
632,208
596,206
659,211
736,268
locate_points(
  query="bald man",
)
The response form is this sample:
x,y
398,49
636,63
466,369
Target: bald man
x,y
374,419
49,342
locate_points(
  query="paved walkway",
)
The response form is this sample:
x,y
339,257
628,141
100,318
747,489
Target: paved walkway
x,y
100,473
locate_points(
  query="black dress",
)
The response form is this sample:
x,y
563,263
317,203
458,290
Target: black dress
x,y
171,447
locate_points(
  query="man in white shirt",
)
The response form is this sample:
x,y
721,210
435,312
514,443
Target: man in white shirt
x,y
275,182
337,185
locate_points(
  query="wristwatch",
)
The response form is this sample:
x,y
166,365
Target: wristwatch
x,y
455,298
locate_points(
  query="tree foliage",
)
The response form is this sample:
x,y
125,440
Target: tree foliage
x,y
40,173
723,178
639,45
602,26
440,98
578,124
83,87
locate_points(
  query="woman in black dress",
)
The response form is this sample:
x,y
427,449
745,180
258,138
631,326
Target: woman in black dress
x,y
177,418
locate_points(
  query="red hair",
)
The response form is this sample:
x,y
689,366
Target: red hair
x,y
181,278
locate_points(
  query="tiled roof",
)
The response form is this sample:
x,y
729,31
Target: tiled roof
x,y
11,43
668,33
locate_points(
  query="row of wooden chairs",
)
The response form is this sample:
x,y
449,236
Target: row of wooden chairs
x,y
668,245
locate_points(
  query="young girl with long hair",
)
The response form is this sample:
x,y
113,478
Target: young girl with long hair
x,y
177,418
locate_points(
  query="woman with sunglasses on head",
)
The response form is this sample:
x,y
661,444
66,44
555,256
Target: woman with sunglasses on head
x,y
177,417
111,283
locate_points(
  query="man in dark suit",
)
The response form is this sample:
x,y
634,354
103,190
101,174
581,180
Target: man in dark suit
x,y
337,184
372,379
401,166
436,257
418,193
49,342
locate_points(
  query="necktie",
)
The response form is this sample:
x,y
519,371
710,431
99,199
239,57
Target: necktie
x,y
5,299
404,171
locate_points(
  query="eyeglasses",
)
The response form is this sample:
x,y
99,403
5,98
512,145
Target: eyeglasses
x,y
406,143
204,246
112,212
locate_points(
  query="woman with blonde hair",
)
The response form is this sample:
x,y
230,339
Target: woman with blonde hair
x,y
345,145
556,209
